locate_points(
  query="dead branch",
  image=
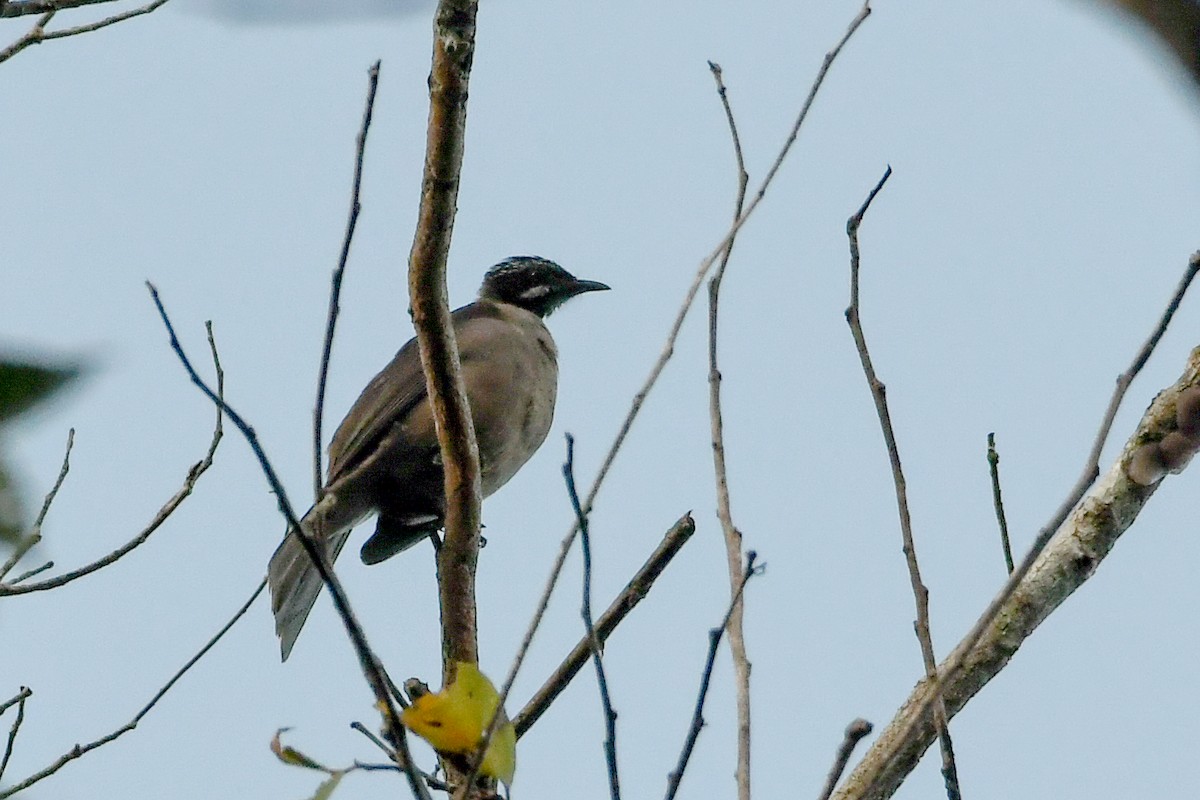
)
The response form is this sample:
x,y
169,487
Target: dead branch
x,y
1072,555
189,484
879,396
732,536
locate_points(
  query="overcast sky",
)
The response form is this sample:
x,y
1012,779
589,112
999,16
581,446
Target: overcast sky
x,y
1043,206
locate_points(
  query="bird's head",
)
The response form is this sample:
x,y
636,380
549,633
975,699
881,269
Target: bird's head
x,y
534,284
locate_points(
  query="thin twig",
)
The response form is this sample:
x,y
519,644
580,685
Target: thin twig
x,y
433,783
12,732
35,533
872,778
38,33
368,662
189,483
633,593
879,395
714,641
732,536
993,458
79,750
29,573
855,732
335,291
669,350
585,543
18,697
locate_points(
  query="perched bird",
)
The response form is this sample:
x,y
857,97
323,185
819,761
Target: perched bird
x,y
384,458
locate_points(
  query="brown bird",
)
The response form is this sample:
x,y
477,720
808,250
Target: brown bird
x,y
384,458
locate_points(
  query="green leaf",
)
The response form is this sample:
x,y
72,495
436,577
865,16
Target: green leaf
x,y
23,385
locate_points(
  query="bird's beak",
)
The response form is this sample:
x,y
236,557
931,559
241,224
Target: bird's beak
x,y
588,286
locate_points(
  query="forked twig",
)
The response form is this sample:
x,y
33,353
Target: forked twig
x,y
38,33
732,536
1094,527
633,593
879,396
79,750
369,663
669,348
189,484
35,533
714,641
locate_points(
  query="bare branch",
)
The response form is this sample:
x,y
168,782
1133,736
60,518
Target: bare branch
x,y
79,750
335,291
16,727
856,731
585,542
732,536
38,33
369,663
669,350
633,593
35,533
453,52
714,641
993,458
1065,554
189,484
879,395
24,8
12,701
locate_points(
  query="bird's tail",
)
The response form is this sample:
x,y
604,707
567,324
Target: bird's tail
x,y
295,583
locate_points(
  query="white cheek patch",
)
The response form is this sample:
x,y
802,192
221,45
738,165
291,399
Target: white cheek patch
x,y
534,292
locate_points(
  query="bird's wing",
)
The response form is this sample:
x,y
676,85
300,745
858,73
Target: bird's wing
x,y
388,398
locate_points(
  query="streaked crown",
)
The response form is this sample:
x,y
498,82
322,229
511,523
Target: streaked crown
x,y
534,284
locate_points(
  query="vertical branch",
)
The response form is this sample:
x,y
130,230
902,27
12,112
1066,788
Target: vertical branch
x,y
733,537
453,51
585,543
993,457
920,592
335,290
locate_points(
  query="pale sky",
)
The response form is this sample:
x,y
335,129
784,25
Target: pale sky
x,y
1043,207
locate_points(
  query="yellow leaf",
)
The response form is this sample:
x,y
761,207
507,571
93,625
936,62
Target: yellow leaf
x,y
453,721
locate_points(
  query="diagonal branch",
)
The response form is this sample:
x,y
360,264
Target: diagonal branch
x,y
714,642
38,33
368,661
189,484
633,593
669,349
79,750
879,395
1065,554
335,290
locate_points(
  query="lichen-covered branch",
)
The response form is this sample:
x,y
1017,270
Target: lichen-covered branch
x,y
1068,560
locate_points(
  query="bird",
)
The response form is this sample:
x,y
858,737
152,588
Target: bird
x,y
384,457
